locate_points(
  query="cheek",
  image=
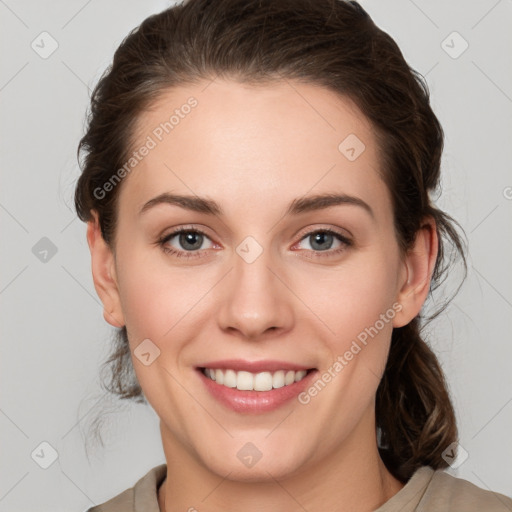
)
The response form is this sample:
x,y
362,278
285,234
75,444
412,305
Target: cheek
x,y
353,297
153,304
161,302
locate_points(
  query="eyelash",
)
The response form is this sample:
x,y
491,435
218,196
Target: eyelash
x,y
197,254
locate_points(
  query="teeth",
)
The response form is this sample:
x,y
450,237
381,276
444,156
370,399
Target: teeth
x,y
247,381
244,381
278,379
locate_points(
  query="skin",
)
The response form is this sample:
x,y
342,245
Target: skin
x,y
253,149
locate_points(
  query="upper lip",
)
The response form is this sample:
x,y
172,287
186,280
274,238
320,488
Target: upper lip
x,y
266,365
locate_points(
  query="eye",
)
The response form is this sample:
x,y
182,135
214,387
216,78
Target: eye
x,y
322,240
190,240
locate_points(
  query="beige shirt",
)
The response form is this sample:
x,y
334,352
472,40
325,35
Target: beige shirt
x,y
426,491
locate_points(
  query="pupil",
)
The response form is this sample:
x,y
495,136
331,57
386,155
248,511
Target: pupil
x,y
319,238
188,238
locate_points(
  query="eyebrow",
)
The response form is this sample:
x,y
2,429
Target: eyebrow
x,y
297,206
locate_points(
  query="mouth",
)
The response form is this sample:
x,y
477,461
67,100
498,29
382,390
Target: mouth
x,y
249,381
254,387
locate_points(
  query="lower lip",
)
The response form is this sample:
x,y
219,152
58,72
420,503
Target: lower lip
x,y
255,401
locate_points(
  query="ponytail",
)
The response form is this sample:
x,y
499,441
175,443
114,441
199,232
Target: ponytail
x,y
414,412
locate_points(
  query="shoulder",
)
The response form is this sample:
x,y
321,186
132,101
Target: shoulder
x,y
447,492
430,490
120,503
141,497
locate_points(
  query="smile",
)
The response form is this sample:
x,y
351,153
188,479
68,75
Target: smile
x,y
248,381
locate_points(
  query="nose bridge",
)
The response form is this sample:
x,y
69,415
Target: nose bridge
x,y
251,268
255,299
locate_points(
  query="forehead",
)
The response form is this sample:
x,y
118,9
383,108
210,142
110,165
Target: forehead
x,y
233,140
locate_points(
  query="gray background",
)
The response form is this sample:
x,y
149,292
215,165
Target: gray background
x,y
54,337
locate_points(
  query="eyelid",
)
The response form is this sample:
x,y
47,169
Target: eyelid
x,y
184,229
345,242
311,229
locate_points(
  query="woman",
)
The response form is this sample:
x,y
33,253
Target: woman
x,y
256,183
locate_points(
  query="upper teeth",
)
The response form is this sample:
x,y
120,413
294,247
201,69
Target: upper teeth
x,y
247,381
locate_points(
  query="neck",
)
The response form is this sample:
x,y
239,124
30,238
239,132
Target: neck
x,y
353,478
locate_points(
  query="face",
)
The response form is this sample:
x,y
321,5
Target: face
x,y
264,280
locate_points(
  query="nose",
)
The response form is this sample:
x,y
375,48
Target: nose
x,y
256,300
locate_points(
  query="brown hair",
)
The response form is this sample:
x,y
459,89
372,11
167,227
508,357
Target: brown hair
x,y
334,44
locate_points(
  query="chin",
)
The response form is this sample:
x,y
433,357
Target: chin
x,y
265,469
